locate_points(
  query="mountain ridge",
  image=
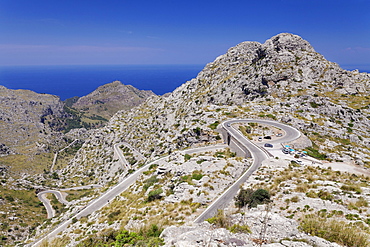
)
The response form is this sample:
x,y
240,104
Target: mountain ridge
x,y
283,79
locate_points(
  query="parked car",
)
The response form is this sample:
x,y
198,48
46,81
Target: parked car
x,y
279,134
285,151
259,139
269,145
267,137
299,162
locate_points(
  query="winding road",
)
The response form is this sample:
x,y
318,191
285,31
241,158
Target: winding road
x,y
46,202
110,194
258,155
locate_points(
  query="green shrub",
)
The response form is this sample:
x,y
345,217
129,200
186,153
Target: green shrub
x,y
152,166
251,198
148,236
214,125
352,187
315,153
197,175
236,228
187,157
324,195
154,195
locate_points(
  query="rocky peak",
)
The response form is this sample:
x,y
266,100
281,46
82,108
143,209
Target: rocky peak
x,y
110,98
288,42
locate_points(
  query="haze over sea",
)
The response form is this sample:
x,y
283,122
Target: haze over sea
x,y
78,80
67,81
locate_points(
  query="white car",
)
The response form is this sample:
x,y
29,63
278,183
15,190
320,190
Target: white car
x,y
299,162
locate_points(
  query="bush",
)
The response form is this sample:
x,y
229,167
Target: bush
x,y
126,237
236,228
315,153
214,125
250,198
197,175
187,157
148,236
149,182
154,195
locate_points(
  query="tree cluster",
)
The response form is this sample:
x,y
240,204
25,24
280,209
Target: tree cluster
x,y
251,198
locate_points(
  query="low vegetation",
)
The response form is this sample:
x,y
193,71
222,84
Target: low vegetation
x,y
20,213
145,236
335,231
221,220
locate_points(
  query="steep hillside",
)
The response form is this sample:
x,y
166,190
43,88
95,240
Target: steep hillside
x,y
24,128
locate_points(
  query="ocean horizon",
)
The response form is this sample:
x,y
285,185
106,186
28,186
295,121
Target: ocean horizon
x,y
67,81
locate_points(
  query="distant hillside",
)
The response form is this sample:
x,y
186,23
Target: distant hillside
x,y
106,100
33,126
283,79
23,116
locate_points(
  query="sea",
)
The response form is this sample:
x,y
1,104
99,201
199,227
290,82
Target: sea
x,y
68,81
79,80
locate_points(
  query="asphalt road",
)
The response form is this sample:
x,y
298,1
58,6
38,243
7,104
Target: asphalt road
x,y
109,195
258,155
120,155
46,202
98,203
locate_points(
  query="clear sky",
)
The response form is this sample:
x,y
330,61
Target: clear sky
x,y
47,32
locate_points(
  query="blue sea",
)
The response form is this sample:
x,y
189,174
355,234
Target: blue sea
x,y
80,80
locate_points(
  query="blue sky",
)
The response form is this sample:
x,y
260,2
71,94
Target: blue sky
x,y
44,32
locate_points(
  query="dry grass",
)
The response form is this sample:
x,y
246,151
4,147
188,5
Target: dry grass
x,y
27,164
335,231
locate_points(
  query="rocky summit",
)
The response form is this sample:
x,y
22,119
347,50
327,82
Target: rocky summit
x,y
106,100
317,195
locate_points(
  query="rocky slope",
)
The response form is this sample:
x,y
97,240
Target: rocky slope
x,y
283,79
23,114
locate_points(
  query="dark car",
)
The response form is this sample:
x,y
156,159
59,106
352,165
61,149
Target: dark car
x,y
267,137
268,145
